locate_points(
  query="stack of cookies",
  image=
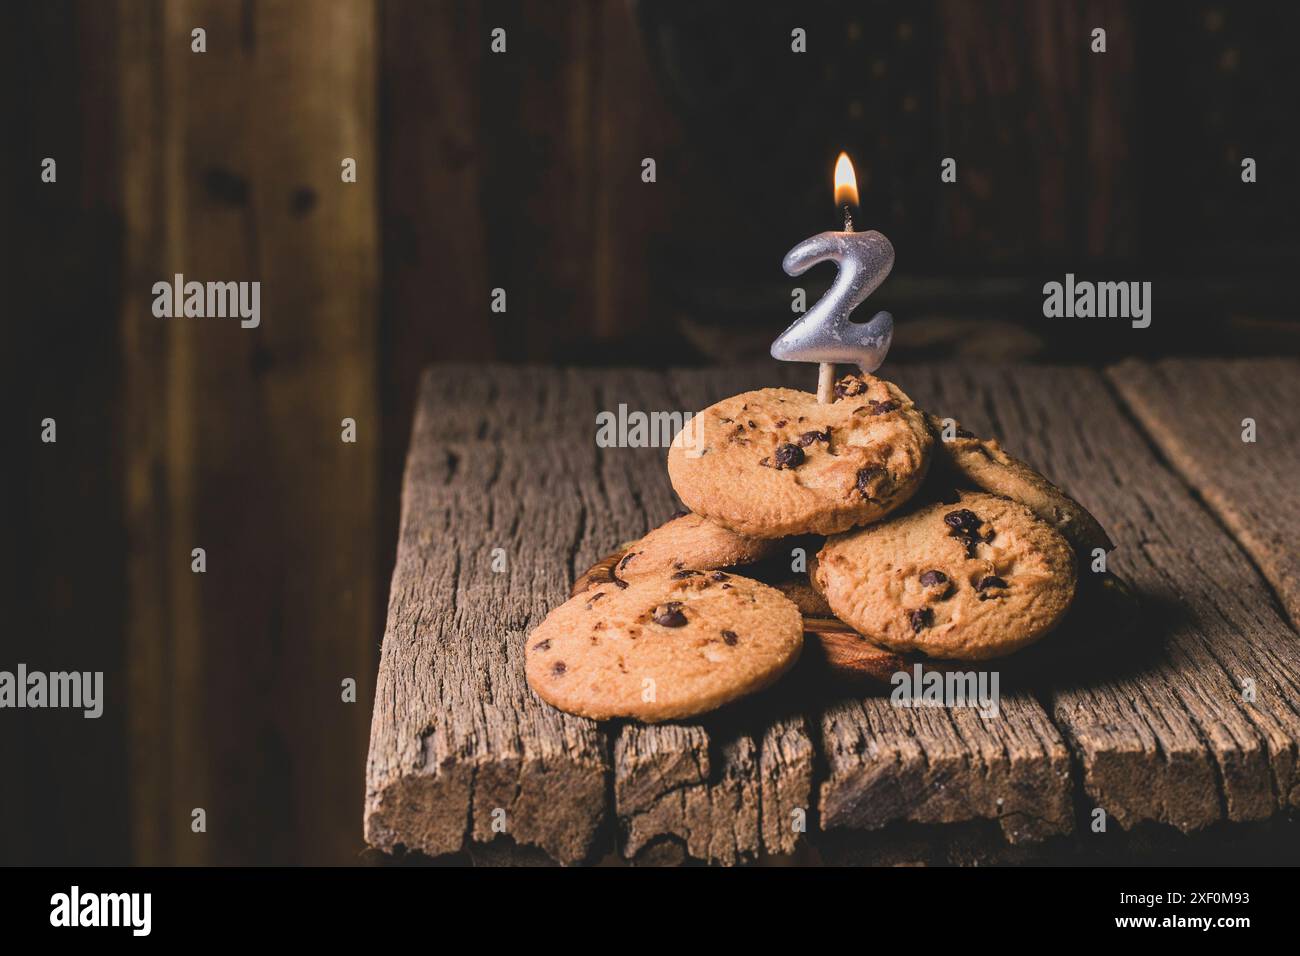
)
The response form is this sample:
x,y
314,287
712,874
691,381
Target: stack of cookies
x,y
928,541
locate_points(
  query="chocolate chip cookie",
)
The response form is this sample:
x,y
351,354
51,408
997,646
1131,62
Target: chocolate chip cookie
x,y
773,462
663,647
689,542
965,581
983,464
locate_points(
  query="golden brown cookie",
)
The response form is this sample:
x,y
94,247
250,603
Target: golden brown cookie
x,y
689,542
773,462
664,647
965,581
983,464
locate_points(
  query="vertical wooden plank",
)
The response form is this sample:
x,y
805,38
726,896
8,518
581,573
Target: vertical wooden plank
x,y
628,214
61,572
1108,192
1040,127
232,173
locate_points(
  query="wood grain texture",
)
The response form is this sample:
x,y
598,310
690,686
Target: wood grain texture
x,y
1162,731
1019,72
61,573
232,435
1193,410
725,789
680,791
887,764
1157,728
457,735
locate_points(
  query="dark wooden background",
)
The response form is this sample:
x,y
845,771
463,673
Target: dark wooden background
x,y
519,171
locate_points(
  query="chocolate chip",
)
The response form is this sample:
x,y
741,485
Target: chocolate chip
x,y
669,615
992,581
718,576
872,480
849,385
730,637
882,408
920,619
963,520
558,668
752,425
677,576
807,438
965,528
788,456
931,578
782,423
542,645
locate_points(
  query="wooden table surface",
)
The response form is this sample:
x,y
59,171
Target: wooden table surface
x,y
1193,730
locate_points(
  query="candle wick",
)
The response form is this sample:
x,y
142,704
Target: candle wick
x,y
848,218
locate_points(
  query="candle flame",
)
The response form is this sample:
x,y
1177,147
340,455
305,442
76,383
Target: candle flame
x,y
846,182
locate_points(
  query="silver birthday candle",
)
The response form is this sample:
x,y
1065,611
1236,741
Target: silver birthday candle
x,y
826,333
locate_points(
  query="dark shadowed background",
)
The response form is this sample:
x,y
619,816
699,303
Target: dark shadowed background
x,y
520,171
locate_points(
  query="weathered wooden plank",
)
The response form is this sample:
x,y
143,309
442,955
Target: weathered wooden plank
x,y
723,789
458,741
60,573
708,791
726,789
1163,732
669,781
1065,184
887,764
231,172
1194,410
